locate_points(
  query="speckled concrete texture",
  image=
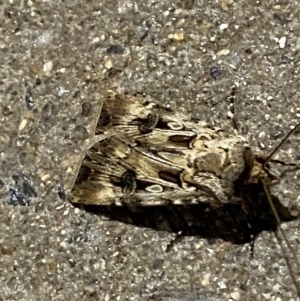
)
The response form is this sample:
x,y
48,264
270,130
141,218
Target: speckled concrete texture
x,y
58,58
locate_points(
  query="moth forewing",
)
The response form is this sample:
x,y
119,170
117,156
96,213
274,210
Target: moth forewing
x,y
172,161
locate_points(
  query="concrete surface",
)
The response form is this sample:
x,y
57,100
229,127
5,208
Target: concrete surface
x,y
58,58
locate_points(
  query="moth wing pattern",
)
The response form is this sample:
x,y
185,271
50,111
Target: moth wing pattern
x,y
153,159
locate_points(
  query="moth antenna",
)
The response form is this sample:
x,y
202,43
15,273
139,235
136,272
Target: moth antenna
x,y
231,113
280,144
286,258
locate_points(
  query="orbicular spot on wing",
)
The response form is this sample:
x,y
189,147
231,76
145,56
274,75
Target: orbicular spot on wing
x,y
175,126
154,188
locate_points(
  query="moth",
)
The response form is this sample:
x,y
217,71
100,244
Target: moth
x,y
159,169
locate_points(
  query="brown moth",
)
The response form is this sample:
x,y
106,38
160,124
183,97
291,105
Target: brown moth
x,y
160,165
146,158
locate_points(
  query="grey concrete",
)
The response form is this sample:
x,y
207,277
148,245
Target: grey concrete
x,y
56,59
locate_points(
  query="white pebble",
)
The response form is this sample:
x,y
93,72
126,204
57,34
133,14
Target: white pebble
x,y
282,42
223,26
48,66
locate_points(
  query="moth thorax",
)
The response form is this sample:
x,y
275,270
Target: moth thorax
x,y
212,162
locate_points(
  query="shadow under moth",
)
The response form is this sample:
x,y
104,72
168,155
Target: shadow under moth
x,y
155,169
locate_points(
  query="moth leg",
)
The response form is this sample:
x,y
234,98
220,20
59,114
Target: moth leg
x,y
231,112
252,236
252,244
175,240
247,204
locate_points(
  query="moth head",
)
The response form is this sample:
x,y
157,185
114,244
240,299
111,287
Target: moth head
x,y
262,172
256,169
